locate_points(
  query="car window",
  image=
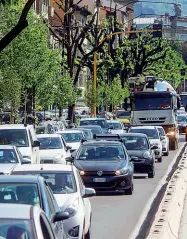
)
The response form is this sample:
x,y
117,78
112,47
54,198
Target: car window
x,y
101,123
50,143
72,137
46,227
101,153
19,193
135,143
16,228
50,201
81,185
19,153
151,133
115,125
8,156
17,137
161,131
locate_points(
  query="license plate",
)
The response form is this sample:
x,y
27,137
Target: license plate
x,y
99,180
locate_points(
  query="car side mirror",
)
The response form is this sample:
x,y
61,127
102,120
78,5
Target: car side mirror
x,y
68,147
70,159
162,137
133,158
154,147
60,216
36,143
89,192
26,161
111,127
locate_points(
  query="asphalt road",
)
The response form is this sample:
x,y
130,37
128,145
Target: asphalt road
x,y
115,216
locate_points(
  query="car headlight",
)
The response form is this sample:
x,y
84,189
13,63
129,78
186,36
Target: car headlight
x,y
146,155
59,156
121,171
73,208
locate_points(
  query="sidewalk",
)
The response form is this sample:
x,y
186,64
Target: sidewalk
x,y
183,224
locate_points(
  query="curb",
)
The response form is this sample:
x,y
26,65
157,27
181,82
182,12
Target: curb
x,y
167,220
146,219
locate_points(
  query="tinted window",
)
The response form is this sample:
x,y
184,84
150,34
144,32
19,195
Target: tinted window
x,y
151,133
17,137
19,193
101,123
50,143
101,153
16,228
135,143
8,156
72,137
153,103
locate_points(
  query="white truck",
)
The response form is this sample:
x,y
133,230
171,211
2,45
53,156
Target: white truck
x,y
156,105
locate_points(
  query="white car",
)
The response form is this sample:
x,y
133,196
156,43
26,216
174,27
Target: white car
x,y
153,136
73,138
70,194
10,157
52,149
116,127
23,137
164,140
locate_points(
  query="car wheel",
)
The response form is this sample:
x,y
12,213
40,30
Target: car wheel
x,y
151,173
87,235
129,190
159,160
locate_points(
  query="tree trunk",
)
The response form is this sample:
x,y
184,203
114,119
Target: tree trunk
x,y
29,101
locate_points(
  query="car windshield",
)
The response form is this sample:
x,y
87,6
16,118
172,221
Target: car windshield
x,y
19,193
135,143
151,133
153,103
182,118
115,125
161,131
184,99
123,114
88,133
101,153
17,137
72,137
8,156
16,228
50,143
101,123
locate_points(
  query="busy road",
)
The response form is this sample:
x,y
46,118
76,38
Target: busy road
x,y
115,215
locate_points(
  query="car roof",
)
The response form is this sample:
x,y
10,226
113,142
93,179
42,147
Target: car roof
x,y
12,211
69,131
143,127
133,134
19,179
14,126
7,147
44,167
92,119
99,142
48,136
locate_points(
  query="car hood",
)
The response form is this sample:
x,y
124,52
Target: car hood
x,y
25,151
136,153
50,153
74,145
100,165
7,168
65,200
154,141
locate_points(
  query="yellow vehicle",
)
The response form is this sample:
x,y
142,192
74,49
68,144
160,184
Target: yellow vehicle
x,y
123,116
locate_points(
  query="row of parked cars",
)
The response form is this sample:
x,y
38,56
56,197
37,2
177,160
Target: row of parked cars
x,y
51,176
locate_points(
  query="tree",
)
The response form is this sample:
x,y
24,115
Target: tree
x,y
19,27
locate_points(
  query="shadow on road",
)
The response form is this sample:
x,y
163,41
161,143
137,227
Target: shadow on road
x,y
115,193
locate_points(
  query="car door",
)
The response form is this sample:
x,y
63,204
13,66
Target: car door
x,y
57,226
46,227
85,202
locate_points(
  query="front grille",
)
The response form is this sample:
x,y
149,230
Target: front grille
x,y
94,173
101,185
153,120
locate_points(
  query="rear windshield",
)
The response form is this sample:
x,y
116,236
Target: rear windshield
x,y
17,137
135,142
101,123
122,114
8,156
151,133
50,143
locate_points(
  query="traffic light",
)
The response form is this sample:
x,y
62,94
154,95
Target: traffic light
x,y
183,72
133,35
157,27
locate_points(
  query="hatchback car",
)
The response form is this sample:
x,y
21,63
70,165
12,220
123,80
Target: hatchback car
x,y
70,193
105,165
153,136
33,190
25,222
141,153
95,121
164,140
72,138
52,149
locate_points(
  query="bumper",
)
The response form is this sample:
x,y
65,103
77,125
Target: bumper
x,y
143,167
158,153
109,183
164,148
